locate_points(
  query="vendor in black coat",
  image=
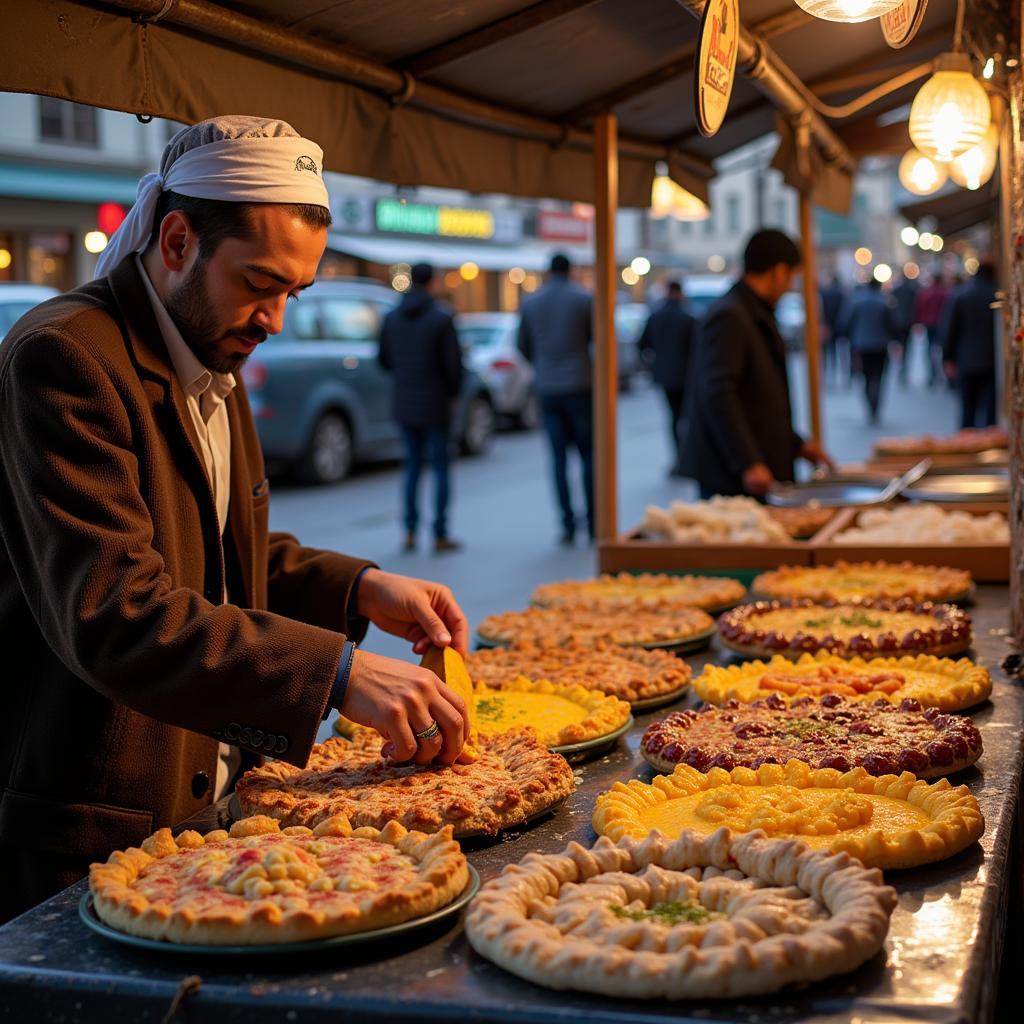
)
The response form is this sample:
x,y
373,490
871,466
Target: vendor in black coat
x,y
419,347
740,438
668,336
969,346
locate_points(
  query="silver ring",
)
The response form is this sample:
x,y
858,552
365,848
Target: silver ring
x,y
430,732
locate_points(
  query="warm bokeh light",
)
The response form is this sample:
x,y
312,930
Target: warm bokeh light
x,y
920,174
452,280
517,275
950,111
937,243
401,282
848,10
924,240
469,271
641,265
909,235
862,256
971,265
882,273
716,264
630,276
95,241
671,200
911,271
5,258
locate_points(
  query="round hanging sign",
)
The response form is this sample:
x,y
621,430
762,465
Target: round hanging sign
x,y
715,70
900,25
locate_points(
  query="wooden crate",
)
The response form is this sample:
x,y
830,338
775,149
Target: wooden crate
x,y
987,563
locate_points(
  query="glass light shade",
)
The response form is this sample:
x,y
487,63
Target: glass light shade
x,y
951,111
671,200
921,174
848,10
973,168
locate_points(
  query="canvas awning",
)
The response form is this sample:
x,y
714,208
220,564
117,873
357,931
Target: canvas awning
x,y
957,210
497,95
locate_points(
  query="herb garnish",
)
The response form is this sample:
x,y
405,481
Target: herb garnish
x,y
676,912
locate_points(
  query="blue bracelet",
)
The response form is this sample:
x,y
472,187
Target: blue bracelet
x,y
337,698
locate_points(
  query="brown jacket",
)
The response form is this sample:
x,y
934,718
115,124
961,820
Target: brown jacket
x,y
121,670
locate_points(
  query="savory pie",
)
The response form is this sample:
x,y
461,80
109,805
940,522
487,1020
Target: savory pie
x,y
827,732
629,673
885,822
964,442
865,628
699,917
628,591
933,682
657,625
859,581
258,884
562,715
514,778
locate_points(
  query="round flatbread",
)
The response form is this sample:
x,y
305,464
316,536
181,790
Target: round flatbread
x,y
629,673
258,884
865,628
695,918
860,581
514,778
828,732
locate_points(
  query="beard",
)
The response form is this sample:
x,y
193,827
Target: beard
x,y
193,313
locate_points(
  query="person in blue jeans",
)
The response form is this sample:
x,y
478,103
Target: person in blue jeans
x,y
555,336
419,347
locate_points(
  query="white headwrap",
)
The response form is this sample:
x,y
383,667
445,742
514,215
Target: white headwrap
x,y
235,159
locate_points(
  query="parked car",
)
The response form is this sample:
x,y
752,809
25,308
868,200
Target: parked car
x,y
320,399
489,347
701,290
17,299
630,318
791,316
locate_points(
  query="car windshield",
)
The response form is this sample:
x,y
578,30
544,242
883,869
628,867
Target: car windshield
x,y
331,317
481,336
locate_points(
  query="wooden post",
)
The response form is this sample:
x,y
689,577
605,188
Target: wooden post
x,y
812,327
606,374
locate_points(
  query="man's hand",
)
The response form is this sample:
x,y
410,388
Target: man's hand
x,y
950,370
757,479
815,453
422,612
400,700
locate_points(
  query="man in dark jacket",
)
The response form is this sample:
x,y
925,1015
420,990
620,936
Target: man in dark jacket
x,y
555,335
419,346
871,323
832,298
668,335
969,347
741,437
905,294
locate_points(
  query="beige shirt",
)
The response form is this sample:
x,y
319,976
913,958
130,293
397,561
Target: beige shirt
x,y
205,394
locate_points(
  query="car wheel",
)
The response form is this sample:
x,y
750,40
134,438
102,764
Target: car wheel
x,y
328,458
529,415
479,427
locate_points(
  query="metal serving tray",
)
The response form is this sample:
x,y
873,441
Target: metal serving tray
x,y
967,484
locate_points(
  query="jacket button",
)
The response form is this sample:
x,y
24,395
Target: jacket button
x,y
200,784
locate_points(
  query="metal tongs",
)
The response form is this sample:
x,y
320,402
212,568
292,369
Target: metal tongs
x,y
896,486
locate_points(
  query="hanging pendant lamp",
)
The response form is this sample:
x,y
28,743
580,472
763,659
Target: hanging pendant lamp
x,y
951,112
920,174
848,10
973,168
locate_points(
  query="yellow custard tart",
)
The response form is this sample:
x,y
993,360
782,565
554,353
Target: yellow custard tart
x,y
889,821
933,682
561,715
859,581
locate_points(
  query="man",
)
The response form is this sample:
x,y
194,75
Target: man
x,y
555,336
741,438
969,347
419,346
668,335
832,296
871,322
905,293
152,615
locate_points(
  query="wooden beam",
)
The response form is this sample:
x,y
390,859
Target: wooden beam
x,y
812,327
490,35
681,64
606,375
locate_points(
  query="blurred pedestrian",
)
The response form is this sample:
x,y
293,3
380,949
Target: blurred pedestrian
x,y
928,311
832,298
969,347
668,336
419,347
870,321
740,437
905,294
555,336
